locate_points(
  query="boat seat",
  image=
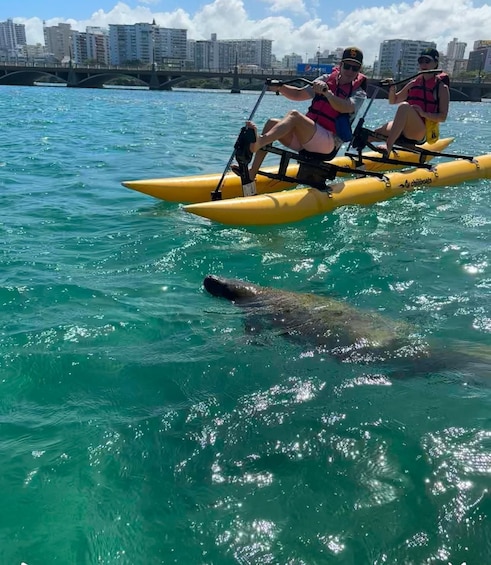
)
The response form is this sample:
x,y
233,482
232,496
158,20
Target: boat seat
x,y
314,168
311,156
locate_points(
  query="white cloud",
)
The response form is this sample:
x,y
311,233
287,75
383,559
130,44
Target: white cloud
x,y
293,6
430,20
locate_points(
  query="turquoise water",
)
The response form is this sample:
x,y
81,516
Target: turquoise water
x,y
140,424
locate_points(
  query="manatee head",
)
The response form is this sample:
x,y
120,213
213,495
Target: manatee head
x,y
231,289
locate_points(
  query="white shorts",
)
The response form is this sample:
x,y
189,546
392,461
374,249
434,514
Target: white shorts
x,y
321,142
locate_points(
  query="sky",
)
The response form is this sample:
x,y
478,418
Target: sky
x,y
295,26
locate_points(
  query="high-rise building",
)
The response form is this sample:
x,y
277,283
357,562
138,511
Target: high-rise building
x,y
205,54
170,44
58,40
480,57
226,53
398,58
191,51
252,51
78,50
34,53
130,43
291,61
146,43
482,44
12,38
456,49
97,45
455,52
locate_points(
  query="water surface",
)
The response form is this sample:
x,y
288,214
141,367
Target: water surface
x,y
140,423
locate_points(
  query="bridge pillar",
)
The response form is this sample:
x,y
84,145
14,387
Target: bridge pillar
x,y
72,78
235,82
154,83
475,93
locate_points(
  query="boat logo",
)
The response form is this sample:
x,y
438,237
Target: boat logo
x,y
415,182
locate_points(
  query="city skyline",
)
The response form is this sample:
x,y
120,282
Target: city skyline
x,y
295,26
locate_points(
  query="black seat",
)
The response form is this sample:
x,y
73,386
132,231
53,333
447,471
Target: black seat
x,y
311,156
313,168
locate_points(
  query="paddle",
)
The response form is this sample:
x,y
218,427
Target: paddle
x,y
216,194
387,81
359,124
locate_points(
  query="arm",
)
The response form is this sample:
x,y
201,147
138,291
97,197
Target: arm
x,y
342,105
358,98
401,95
302,93
294,92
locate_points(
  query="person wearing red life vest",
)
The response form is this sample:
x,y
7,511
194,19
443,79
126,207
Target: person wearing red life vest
x,y
423,99
341,92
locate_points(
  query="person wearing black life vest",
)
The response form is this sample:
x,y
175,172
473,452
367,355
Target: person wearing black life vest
x,y
334,96
423,104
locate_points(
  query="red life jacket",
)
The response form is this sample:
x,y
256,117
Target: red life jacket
x,y
321,111
424,93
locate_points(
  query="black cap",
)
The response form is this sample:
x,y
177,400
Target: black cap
x,y
353,54
431,53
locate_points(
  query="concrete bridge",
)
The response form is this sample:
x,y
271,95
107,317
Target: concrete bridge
x,y
156,78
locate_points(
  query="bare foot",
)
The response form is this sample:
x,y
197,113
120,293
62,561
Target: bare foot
x,y
386,151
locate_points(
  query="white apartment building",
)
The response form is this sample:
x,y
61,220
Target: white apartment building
x,y
456,49
398,58
145,43
12,39
170,44
130,43
78,47
249,51
58,40
455,53
97,45
291,61
91,45
190,50
224,54
204,54
34,53
12,35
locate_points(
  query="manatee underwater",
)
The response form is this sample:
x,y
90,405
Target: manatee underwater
x,y
346,333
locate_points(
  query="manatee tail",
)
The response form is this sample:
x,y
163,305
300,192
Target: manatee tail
x,y
477,355
470,357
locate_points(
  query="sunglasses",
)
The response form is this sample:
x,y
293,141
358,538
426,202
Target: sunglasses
x,y
349,67
423,60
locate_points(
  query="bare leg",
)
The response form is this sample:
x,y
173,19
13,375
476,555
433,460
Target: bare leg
x,y
293,123
382,130
406,121
260,155
281,130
